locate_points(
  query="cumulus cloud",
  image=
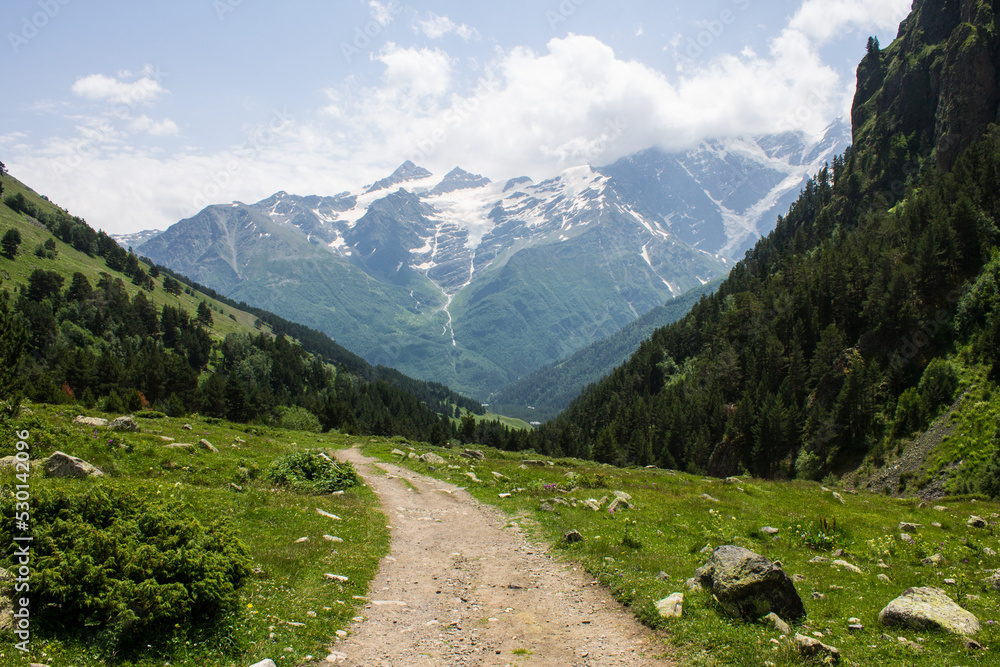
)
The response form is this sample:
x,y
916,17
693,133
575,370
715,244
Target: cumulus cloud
x,y
144,90
437,27
383,12
414,71
823,20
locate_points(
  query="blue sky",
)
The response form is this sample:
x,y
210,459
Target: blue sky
x,y
135,115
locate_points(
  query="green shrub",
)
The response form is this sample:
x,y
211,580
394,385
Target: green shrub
x,y
299,419
127,569
312,472
149,414
937,387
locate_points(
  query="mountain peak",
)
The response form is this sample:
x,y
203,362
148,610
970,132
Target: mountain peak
x,y
405,173
458,179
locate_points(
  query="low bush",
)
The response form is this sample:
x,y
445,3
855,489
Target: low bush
x,y
130,570
312,472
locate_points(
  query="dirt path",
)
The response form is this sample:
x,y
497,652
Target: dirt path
x,y
461,587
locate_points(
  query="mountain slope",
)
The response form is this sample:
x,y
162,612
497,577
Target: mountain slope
x,y
543,394
474,283
852,325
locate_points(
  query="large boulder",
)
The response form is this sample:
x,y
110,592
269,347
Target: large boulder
x,y
928,609
64,465
749,586
432,458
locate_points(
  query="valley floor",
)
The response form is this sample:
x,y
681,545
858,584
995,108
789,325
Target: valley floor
x,y
463,586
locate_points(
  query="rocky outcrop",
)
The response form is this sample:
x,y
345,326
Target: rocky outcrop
x,y
749,586
126,423
932,92
928,609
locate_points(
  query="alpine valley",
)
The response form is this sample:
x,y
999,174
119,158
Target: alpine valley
x,y
475,283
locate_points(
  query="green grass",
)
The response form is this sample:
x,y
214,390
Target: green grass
x,y
267,519
674,523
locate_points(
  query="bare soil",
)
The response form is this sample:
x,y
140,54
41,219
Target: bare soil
x,y
464,586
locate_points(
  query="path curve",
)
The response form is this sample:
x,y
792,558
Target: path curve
x,y
463,587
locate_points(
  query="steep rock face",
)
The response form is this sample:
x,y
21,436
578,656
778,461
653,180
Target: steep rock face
x,y
932,92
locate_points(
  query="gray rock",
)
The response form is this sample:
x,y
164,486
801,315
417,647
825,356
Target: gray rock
x,y
768,530
839,498
126,423
186,427
572,537
618,504
186,446
820,559
935,560
433,458
847,566
976,522
6,600
401,454
413,456
928,608
475,454
96,422
732,480
814,649
621,495
266,662
533,463
748,585
671,606
884,578
472,476
778,624
709,498
206,445
8,462
545,507
940,508
64,465
663,576
907,527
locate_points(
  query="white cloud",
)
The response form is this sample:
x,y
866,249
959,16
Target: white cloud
x,y
101,87
383,12
437,27
156,128
413,71
823,20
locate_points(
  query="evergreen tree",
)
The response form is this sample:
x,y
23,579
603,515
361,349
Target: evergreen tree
x,y
12,341
10,242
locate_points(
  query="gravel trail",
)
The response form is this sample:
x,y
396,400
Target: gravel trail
x,y
461,586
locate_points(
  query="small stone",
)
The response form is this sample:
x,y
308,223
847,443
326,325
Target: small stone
x,y
906,537
336,658
126,423
331,538
709,498
847,566
940,508
311,614
778,624
336,577
266,662
935,560
302,540
972,644
663,576
989,552
672,606
504,495
936,524
572,537
341,633
236,487
950,582
768,530
545,507
839,498
90,421
818,596
907,527
976,522
820,559
798,578
206,445
472,476
430,457
186,427
814,649
884,578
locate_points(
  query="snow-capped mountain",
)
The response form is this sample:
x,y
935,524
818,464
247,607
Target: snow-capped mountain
x,y
474,283
137,239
